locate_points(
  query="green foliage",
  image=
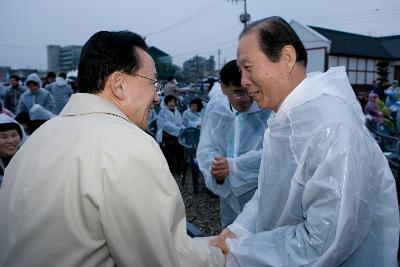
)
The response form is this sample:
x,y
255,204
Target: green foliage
x,y
383,72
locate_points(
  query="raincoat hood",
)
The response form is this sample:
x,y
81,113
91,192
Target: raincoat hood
x,y
60,81
34,78
333,82
7,119
37,112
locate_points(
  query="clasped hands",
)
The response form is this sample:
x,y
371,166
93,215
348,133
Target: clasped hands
x,y
220,241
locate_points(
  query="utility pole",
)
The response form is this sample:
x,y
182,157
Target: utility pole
x,y
219,60
244,17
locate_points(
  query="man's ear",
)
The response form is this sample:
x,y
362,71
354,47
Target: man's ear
x,y
116,80
288,58
224,88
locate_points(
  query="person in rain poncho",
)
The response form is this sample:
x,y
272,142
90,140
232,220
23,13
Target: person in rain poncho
x,y
169,125
35,95
90,187
61,92
193,115
326,195
231,138
11,137
13,93
372,109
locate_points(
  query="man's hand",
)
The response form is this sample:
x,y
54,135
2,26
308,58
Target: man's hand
x,y
220,241
220,169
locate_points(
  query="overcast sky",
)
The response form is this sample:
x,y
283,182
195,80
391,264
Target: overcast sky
x,y
181,28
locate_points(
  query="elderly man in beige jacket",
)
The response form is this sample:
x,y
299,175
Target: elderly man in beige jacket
x,y
90,187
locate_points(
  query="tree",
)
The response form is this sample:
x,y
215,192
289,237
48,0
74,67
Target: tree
x,y
382,72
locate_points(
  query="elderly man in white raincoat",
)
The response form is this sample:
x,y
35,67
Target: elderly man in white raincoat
x,y
90,187
229,151
326,195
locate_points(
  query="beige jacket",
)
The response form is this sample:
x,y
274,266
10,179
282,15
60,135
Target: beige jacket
x,y
89,188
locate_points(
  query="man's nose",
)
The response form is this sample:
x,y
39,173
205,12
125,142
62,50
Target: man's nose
x,y
245,81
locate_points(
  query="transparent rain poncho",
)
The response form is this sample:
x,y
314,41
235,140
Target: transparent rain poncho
x,y
239,139
191,119
168,121
326,195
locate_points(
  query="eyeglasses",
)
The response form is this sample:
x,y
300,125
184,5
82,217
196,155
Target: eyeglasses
x,y
157,84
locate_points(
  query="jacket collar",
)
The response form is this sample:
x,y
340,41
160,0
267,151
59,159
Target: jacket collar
x,y
82,103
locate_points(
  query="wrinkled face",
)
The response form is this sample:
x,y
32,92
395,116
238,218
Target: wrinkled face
x,y
171,104
260,76
34,87
9,142
238,97
194,107
140,92
14,82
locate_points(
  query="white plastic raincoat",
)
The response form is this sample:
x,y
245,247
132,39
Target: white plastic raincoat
x,y
191,119
326,195
168,121
239,139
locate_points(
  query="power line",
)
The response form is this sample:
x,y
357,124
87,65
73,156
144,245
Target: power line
x,y
359,12
390,14
206,52
21,47
194,15
205,48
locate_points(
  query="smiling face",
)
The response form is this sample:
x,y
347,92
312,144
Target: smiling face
x,y
238,97
260,76
9,142
139,92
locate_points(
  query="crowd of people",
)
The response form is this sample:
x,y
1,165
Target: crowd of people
x,y
384,107
31,103
300,179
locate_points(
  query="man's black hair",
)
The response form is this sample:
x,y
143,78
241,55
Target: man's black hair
x,y
170,78
51,74
104,53
11,126
230,74
16,77
273,34
62,75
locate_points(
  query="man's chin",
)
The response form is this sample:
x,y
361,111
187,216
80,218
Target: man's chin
x,y
261,104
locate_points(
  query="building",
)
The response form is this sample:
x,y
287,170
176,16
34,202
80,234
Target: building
x,y
163,62
358,53
6,72
160,56
198,67
63,59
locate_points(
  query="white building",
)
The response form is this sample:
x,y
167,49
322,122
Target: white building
x,y
358,53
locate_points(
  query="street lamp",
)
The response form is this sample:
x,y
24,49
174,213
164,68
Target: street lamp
x,y
244,17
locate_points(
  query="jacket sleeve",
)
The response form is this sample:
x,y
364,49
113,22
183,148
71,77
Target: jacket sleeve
x,y
7,100
243,171
336,206
213,143
142,212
